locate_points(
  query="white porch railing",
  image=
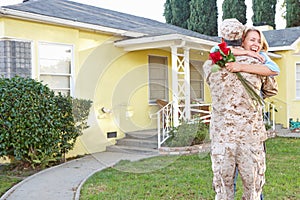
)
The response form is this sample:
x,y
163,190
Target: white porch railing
x,y
165,119
269,114
164,123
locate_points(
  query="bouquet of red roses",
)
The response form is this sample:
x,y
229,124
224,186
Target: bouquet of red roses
x,y
220,55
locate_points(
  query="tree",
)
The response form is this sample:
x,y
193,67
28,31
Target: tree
x,y
264,12
177,12
203,17
38,127
235,9
168,12
292,13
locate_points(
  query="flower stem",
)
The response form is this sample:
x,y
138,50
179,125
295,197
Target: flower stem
x,y
254,96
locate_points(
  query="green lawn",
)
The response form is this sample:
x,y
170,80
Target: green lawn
x,y
181,177
190,177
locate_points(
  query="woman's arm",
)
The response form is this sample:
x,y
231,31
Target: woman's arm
x,y
243,52
270,63
259,69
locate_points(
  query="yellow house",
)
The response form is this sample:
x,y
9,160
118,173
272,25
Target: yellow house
x,y
123,63
285,48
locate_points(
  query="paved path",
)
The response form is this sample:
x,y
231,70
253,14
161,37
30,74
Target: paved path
x,y
63,182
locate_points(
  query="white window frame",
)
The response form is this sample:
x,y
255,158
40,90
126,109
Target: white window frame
x,y
198,66
165,80
69,75
297,81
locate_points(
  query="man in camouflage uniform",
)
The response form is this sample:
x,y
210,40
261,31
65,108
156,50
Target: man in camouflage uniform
x,y
237,129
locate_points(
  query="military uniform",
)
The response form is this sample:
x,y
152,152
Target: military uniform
x,y
237,132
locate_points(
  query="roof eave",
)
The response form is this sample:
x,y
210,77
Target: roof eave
x,y
281,48
58,21
164,41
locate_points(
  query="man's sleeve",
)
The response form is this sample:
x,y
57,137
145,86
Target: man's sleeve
x,y
207,69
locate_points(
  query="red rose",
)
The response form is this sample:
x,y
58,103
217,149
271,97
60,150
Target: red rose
x,y
215,56
223,47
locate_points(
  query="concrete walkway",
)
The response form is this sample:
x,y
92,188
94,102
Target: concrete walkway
x,y
63,182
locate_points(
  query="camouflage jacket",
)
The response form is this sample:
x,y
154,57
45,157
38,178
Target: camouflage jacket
x,y
235,117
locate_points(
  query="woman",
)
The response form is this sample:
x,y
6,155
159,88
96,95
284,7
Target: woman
x,y
256,48
254,45
237,129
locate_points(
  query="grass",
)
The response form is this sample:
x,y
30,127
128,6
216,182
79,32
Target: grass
x,y
10,175
180,177
190,177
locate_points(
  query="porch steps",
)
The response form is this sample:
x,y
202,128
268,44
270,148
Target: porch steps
x,y
144,142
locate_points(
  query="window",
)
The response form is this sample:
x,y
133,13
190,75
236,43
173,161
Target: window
x,y
196,80
15,58
158,78
297,80
55,66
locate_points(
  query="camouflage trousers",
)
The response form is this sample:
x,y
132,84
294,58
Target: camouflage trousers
x,y
249,158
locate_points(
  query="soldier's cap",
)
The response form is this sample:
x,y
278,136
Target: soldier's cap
x,y
232,30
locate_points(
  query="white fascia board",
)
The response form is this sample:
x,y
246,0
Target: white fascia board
x,y
165,41
58,21
281,48
274,55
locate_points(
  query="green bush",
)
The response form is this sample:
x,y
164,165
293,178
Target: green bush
x,y
188,134
36,126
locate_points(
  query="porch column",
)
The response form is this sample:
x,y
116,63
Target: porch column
x,y
175,85
180,83
187,83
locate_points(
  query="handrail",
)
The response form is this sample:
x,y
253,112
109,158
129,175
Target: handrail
x,y
269,109
165,119
164,123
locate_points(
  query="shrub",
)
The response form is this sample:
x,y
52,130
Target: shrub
x,y
188,134
36,126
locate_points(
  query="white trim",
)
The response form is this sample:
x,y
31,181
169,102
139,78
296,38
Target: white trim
x,y
164,41
58,21
70,75
281,48
274,55
296,80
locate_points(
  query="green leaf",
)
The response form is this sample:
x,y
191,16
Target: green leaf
x,y
215,68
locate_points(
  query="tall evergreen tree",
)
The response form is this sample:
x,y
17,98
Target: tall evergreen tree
x,y
168,12
264,12
292,13
235,9
177,12
203,17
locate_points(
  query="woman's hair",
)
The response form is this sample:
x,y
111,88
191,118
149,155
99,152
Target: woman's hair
x,y
263,41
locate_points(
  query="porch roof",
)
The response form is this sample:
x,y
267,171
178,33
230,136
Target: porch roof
x,y
165,41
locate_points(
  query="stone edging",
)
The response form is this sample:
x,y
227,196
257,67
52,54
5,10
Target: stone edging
x,y
201,148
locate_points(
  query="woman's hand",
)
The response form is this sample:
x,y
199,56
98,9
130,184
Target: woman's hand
x,y
233,67
256,55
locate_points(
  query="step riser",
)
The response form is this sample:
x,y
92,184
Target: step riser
x,y
144,142
127,150
137,143
141,137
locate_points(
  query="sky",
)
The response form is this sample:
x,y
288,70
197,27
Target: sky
x,y
153,9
